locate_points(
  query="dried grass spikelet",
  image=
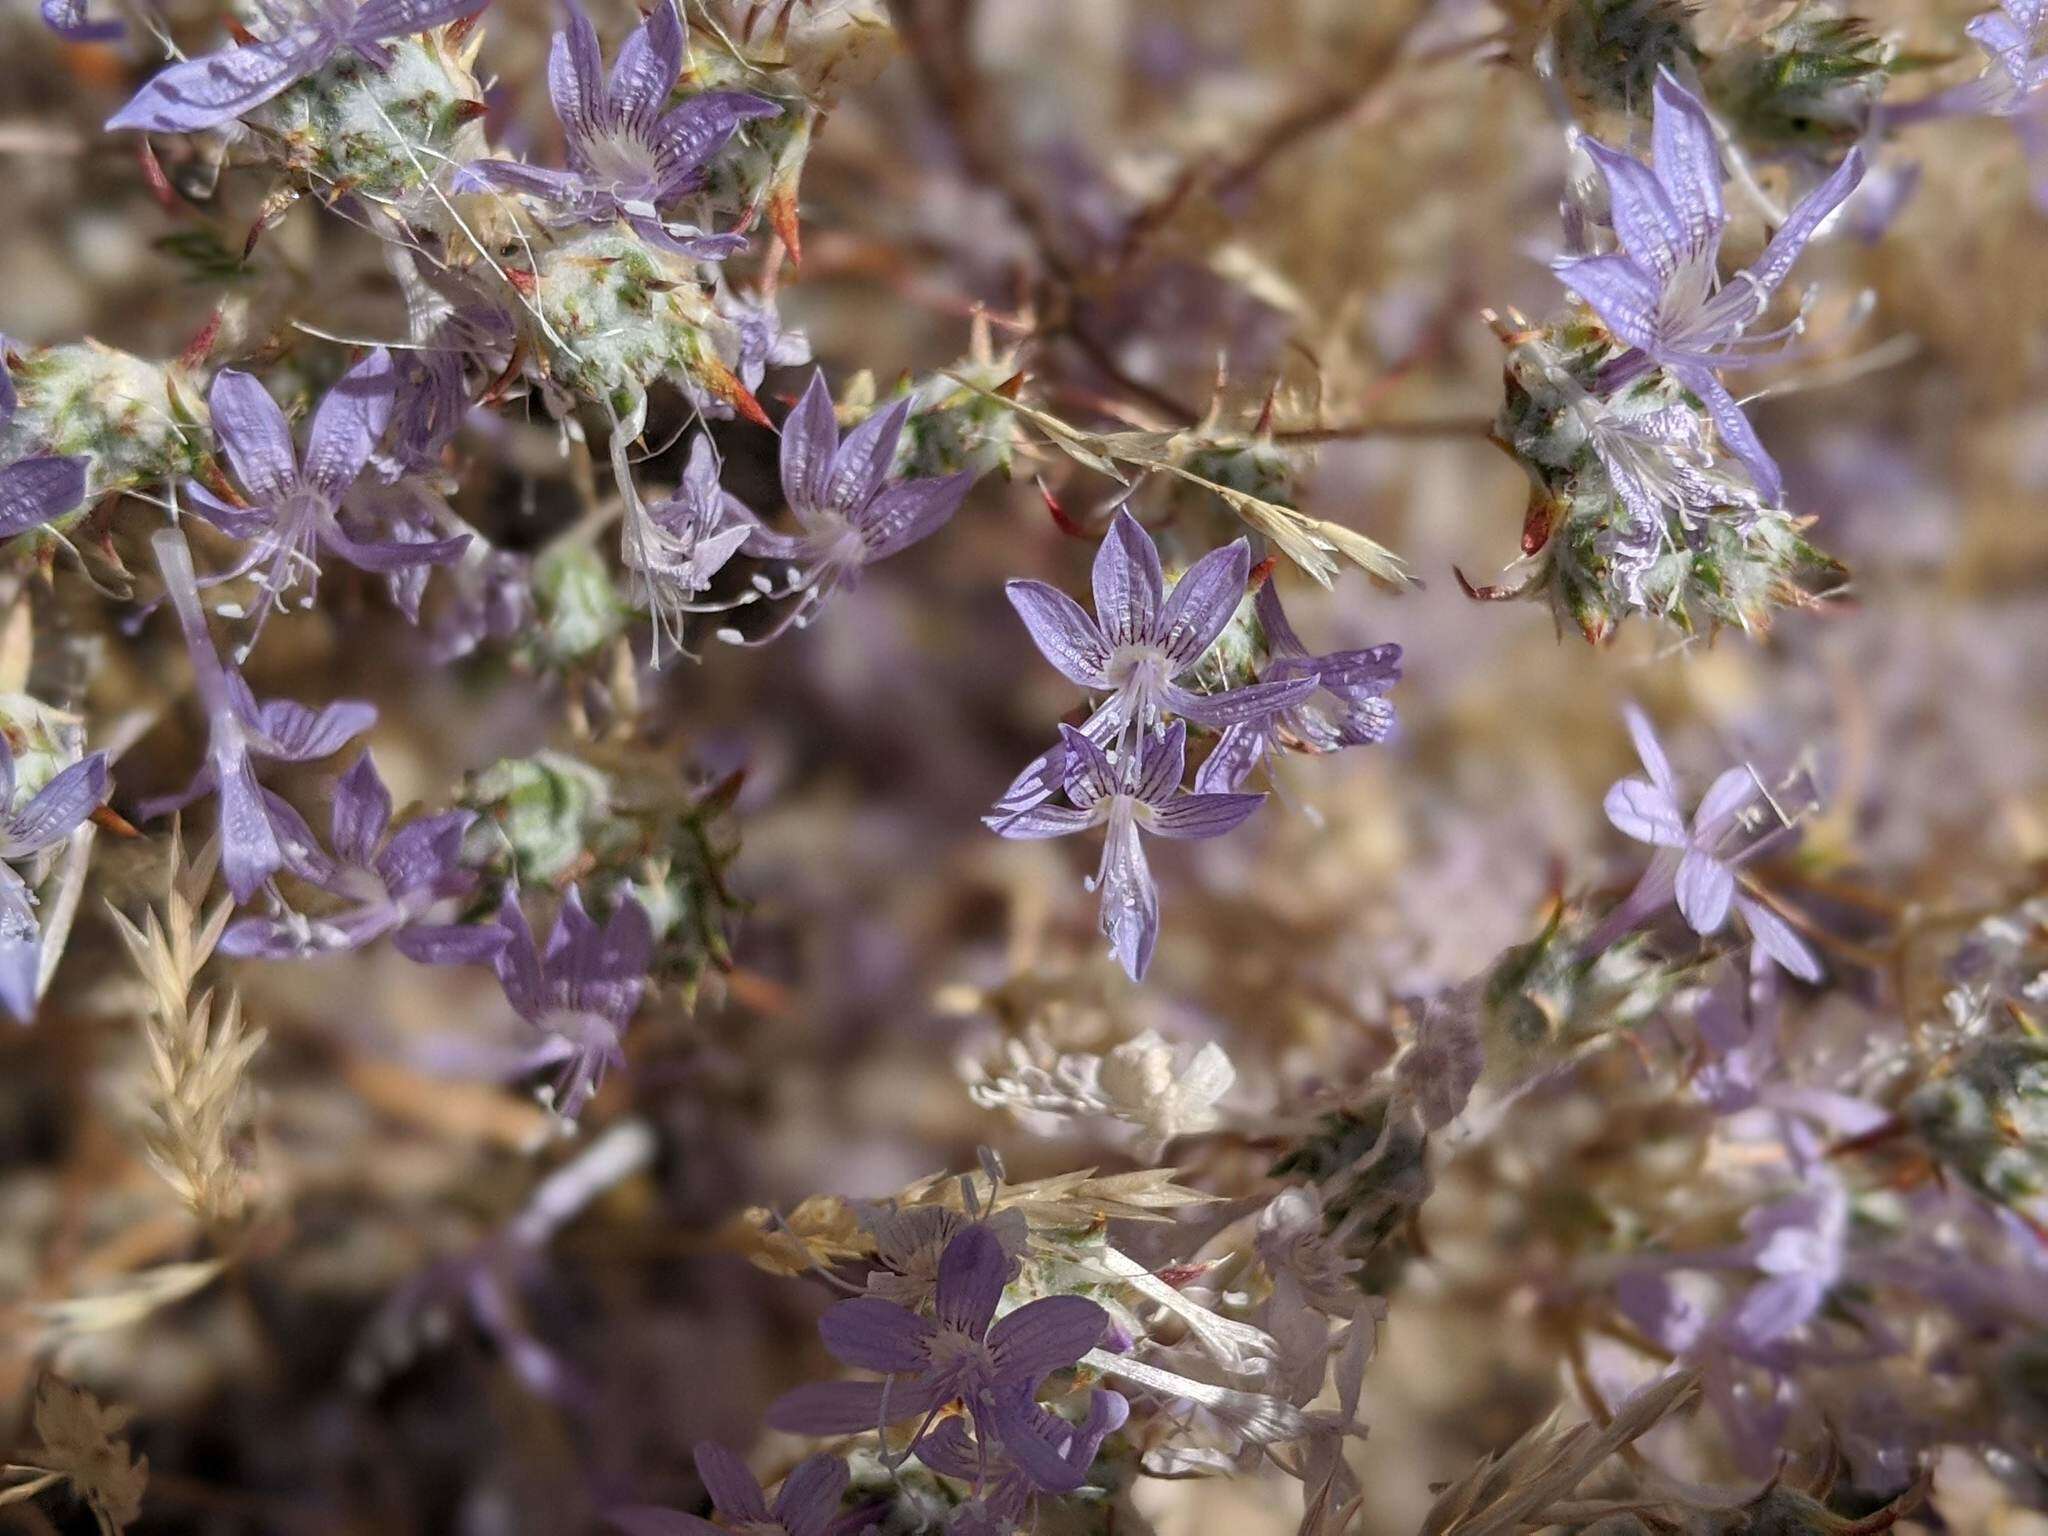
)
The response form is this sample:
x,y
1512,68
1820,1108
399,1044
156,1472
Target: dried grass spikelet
x,y
198,1052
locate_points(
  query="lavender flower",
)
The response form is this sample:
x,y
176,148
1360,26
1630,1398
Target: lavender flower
x,y
763,341
1141,792
627,158
1661,292
579,994
839,492
1045,1453
219,87
50,816
683,542
1357,683
36,489
298,500
392,882
805,1506
1692,864
240,728
1138,645
66,18
956,1353
2016,37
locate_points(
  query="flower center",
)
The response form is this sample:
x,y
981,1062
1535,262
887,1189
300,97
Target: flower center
x,y
623,161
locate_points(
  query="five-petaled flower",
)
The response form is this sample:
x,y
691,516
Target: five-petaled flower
x,y
1140,792
51,815
1138,646
219,87
579,994
849,512
296,506
960,1353
240,728
679,544
628,159
1694,864
394,883
1661,293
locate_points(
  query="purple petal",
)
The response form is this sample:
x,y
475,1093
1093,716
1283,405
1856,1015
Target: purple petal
x,y
1062,631
645,71
393,554
1652,231
249,851
569,187
1646,813
846,1407
1775,1308
1620,293
57,809
871,1334
731,1484
1771,268
686,239
972,1273
1090,776
1234,758
34,490
1254,701
206,92
253,432
1129,913
1705,888
1202,603
1736,432
946,1450
517,963
810,438
303,855
901,515
1721,804
21,963
576,77
1039,821
1688,162
810,1495
351,417
379,19
362,812
67,19
1202,815
1162,762
1045,1336
297,733
1129,585
863,459
1776,938
1650,751
1355,674
698,129
451,944
236,522
426,854
1034,1440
